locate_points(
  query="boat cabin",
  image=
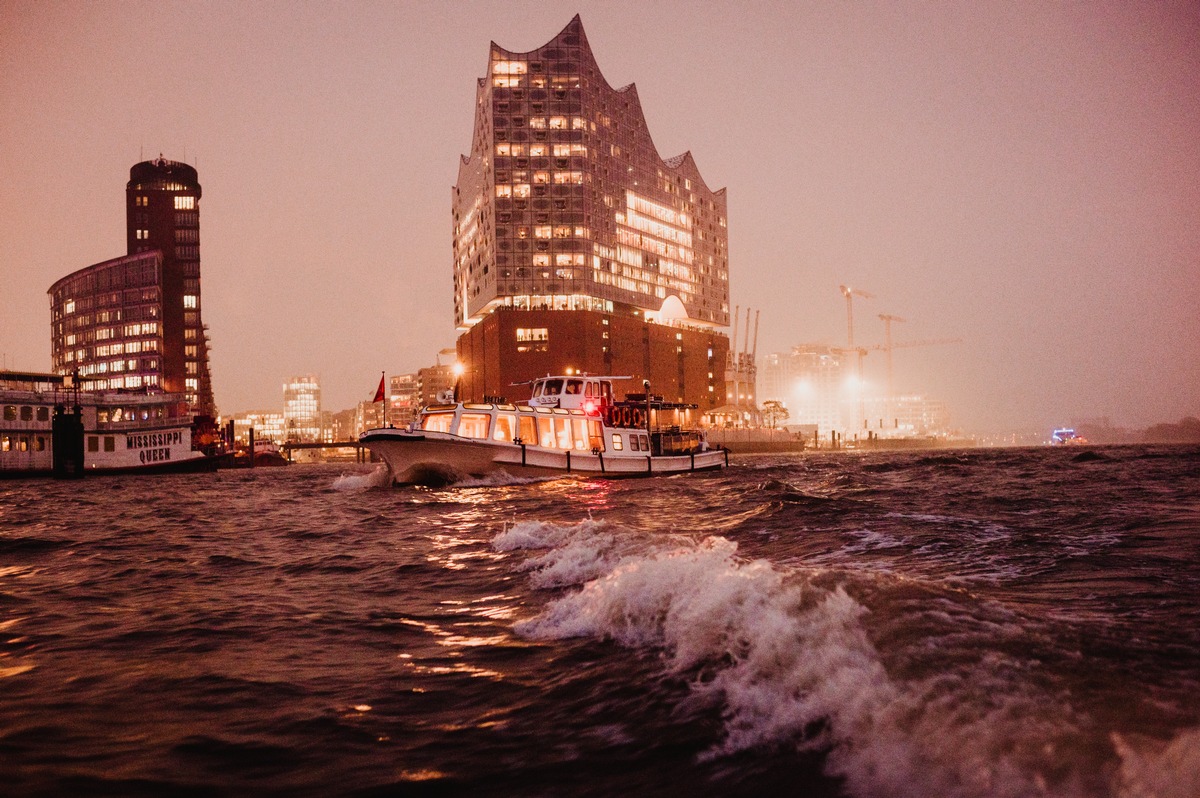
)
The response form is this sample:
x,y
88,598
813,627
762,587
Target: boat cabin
x,y
572,392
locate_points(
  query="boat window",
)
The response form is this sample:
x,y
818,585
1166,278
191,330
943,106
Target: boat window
x,y
43,414
595,435
23,444
574,386
26,413
617,443
528,430
10,412
40,443
110,443
437,422
562,432
551,388
93,443
505,428
579,434
474,425
545,435
635,444
4,444
645,443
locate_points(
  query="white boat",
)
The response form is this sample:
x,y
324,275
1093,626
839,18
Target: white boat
x,y
570,425
48,429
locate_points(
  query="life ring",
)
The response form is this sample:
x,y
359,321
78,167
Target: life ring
x,y
625,416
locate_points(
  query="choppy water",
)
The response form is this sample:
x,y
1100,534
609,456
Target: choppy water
x,y
976,623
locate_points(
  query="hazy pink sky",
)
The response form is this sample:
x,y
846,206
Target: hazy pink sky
x,y
1024,176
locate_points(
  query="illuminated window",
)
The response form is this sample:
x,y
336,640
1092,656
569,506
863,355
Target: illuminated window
x,y
189,301
505,428
474,425
558,123
520,190
510,68
503,191
185,203
542,231
541,178
533,334
537,122
617,443
538,150
437,422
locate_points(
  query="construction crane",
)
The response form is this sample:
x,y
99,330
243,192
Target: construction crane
x,y
887,347
850,293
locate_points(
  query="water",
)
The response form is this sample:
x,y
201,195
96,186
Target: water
x,y
978,623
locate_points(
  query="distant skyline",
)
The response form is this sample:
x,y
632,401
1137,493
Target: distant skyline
x,y
1023,176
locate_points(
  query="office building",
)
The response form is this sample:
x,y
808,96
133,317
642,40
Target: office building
x,y
134,322
302,409
812,382
575,244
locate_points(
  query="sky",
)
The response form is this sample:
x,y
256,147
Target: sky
x,y
1021,176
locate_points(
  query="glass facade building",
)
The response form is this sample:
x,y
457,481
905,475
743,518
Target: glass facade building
x,y
302,409
564,204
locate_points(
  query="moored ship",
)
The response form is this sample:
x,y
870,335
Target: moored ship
x,y
47,429
570,425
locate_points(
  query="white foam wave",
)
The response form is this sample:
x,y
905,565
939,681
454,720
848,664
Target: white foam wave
x,y
497,479
792,663
376,478
1151,769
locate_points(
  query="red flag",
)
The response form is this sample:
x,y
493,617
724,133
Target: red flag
x,y
379,390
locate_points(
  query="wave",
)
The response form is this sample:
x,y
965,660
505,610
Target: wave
x,y
1162,770
377,478
788,656
500,479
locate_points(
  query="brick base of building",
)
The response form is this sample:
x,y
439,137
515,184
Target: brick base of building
x,y
515,346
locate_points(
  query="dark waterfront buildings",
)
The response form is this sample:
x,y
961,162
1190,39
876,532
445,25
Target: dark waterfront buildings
x,y
575,245
134,322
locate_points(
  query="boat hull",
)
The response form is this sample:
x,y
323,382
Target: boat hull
x,y
438,459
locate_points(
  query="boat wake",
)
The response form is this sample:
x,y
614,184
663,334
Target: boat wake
x,y
372,479
789,657
499,479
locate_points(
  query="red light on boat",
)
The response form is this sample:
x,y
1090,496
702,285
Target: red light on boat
x,y
589,407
